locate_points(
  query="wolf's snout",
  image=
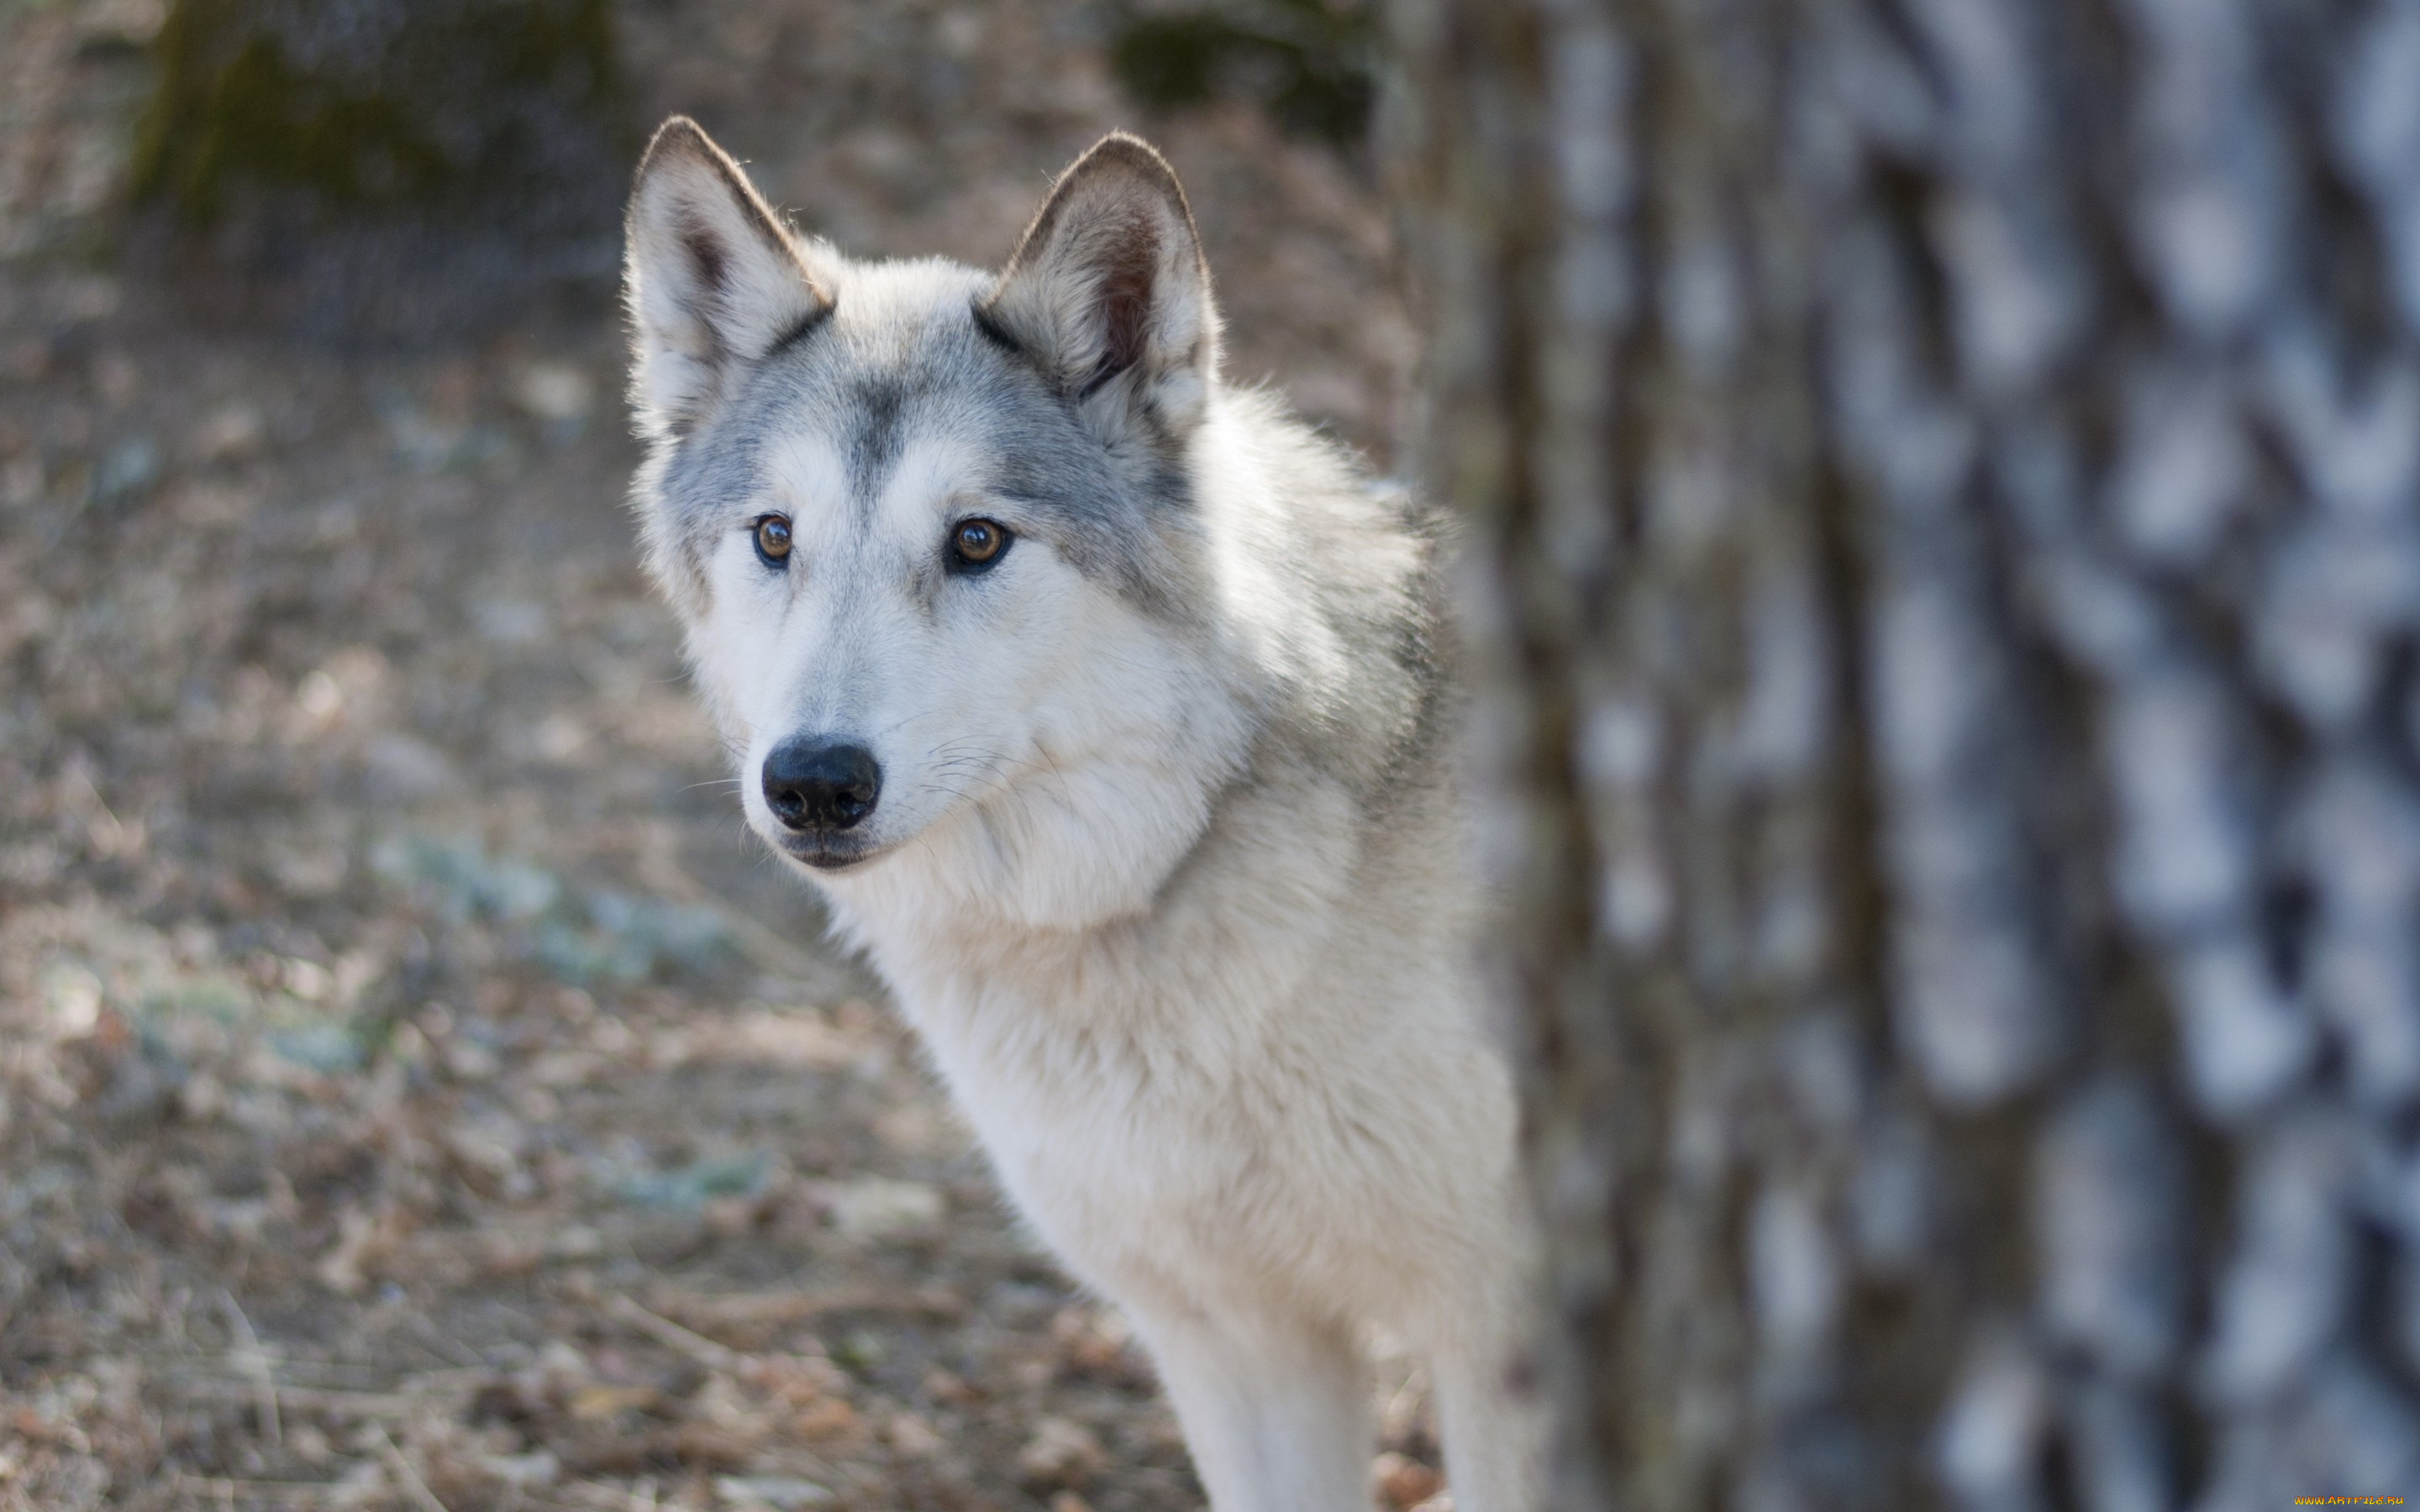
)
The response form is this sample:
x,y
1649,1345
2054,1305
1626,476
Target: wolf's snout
x,y
814,784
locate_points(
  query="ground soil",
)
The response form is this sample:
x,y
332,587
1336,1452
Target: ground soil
x,y
415,1089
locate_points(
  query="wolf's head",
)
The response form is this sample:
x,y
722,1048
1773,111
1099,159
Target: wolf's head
x,y
932,532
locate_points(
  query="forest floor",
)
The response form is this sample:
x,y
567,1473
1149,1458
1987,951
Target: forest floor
x,y
416,1090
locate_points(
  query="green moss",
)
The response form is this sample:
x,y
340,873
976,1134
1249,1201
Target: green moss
x,y
457,103
257,117
1311,64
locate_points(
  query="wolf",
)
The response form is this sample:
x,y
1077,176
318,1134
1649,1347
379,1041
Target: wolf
x,y
1112,712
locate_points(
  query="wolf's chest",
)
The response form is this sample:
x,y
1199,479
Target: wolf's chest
x,y
1103,1108
1117,1138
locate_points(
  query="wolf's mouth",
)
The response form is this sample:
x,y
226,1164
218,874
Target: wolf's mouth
x,y
833,852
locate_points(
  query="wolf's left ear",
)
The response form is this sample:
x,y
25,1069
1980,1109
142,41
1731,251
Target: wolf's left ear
x,y
1108,293
712,279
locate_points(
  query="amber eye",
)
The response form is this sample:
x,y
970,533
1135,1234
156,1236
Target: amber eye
x,y
773,537
976,542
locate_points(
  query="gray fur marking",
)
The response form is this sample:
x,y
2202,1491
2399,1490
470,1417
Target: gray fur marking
x,y
873,447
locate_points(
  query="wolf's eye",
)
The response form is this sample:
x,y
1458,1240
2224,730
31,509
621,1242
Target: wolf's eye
x,y
773,539
977,543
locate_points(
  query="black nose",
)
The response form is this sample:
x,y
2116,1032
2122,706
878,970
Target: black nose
x,y
815,784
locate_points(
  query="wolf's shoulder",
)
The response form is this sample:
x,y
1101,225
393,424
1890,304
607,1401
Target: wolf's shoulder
x,y
1365,560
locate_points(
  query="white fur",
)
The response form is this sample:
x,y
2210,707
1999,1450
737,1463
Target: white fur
x,y
1217,1029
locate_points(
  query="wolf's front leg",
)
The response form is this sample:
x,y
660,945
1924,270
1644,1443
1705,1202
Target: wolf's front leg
x,y
1494,1427
1276,1414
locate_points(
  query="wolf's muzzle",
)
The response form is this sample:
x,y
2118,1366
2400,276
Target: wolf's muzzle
x,y
817,784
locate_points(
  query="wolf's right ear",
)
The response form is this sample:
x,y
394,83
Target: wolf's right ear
x,y
712,280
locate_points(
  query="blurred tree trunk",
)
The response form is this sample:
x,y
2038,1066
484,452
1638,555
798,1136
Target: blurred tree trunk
x,y
1944,482
387,168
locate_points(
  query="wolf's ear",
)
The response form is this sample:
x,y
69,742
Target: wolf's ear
x,y
1107,292
712,279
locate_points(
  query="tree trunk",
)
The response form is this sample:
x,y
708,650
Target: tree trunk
x,y
1943,478
384,168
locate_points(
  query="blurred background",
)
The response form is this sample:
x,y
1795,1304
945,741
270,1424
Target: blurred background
x,y
415,1089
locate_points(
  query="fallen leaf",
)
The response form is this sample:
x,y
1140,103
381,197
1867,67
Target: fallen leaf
x,y
912,1436
1404,1482
826,1418
1063,1452
780,1493
598,1403
874,1207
